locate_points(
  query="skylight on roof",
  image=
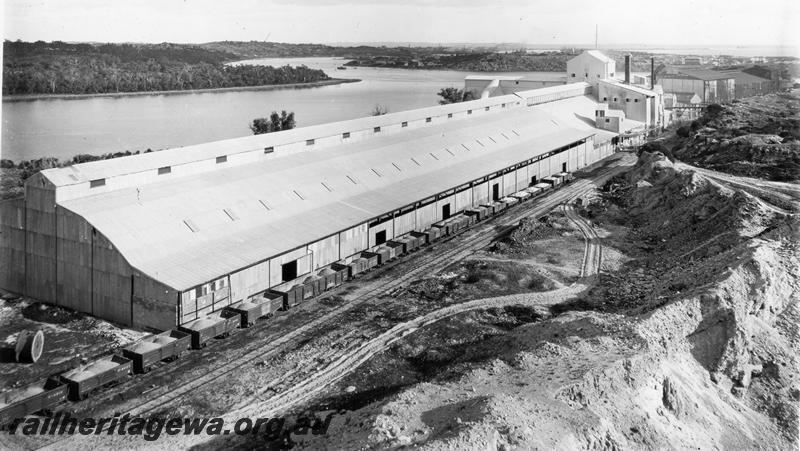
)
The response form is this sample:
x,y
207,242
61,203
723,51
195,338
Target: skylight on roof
x,y
191,225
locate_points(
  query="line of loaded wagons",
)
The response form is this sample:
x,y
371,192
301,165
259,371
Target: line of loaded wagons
x,y
138,358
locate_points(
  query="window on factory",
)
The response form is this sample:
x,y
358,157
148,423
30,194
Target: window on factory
x,y
269,149
608,120
615,99
605,99
612,74
586,75
289,271
427,119
222,159
516,82
97,182
404,124
309,142
486,109
573,75
345,135
164,170
502,105
627,100
449,115
635,100
469,111
376,130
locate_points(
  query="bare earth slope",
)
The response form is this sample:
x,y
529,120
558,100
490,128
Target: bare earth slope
x,y
691,341
755,137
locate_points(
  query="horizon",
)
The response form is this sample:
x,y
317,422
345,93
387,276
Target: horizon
x,y
687,23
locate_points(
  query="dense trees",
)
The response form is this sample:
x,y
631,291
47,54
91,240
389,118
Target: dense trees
x,y
454,95
275,123
58,68
379,110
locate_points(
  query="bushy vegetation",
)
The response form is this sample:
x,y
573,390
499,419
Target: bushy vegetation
x,y
275,123
61,68
454,95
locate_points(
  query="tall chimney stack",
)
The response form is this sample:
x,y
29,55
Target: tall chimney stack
x,y
627,69
652,72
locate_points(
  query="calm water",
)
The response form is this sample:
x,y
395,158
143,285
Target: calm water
x,y
63,128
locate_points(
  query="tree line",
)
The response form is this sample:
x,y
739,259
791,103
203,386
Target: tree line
x,y
30,68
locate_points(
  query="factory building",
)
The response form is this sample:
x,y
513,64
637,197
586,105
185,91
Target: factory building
x,y
747,85
163,238
590,66
711,86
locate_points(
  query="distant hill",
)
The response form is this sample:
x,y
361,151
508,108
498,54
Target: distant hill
x,y
42,68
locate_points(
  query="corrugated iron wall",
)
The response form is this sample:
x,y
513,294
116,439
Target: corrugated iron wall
x,y
40,239
12,245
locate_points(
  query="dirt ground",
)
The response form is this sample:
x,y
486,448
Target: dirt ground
x,y
754,137
688,340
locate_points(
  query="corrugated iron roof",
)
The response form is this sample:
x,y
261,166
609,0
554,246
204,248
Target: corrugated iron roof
x,y
192,229
84,172
629,87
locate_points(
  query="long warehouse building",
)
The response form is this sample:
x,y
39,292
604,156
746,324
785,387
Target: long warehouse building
x,y
159,239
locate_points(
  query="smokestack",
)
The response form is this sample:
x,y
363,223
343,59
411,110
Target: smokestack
x,y
627,69
652,72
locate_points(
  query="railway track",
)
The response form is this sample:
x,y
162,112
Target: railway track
x,y
470,240
306,389
593,251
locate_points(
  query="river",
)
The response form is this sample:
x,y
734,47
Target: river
x,y
62,128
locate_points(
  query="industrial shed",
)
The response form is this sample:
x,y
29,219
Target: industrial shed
x,y
159,239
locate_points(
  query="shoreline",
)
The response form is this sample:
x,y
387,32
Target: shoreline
x,y
313,84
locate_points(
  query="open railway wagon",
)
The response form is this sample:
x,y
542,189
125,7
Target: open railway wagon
x,y
543,187
398,248
408,243
165,346
479,213
443,227
433,234
334,276
421,237
385,253
521,195
215,325
313,286
292,295
42,396
373,259
533,191
509,201
566,177
85,379
257,307
495,207
552,181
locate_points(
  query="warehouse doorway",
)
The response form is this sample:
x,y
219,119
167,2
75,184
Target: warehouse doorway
x,y
380,237
563,167
496,191
289,271
533,181
445,211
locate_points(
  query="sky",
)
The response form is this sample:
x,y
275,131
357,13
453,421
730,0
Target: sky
x,y
553,22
